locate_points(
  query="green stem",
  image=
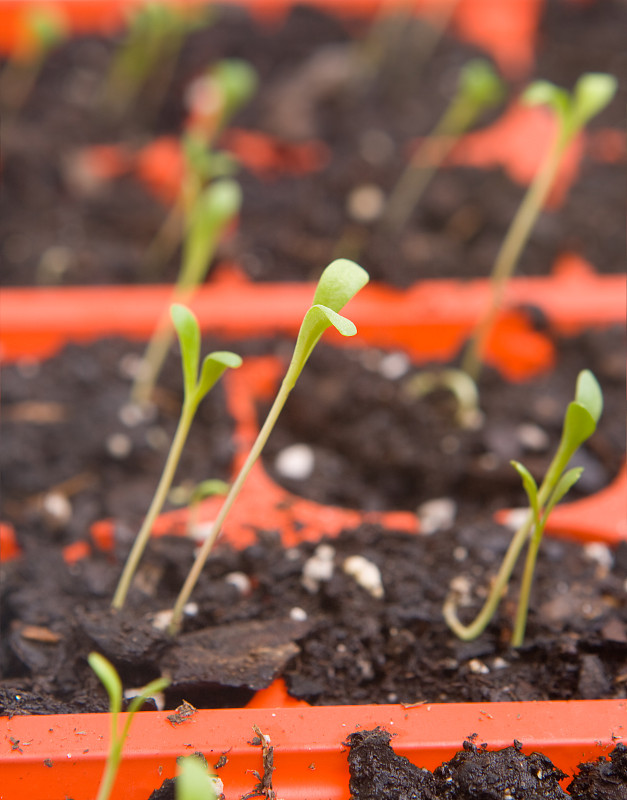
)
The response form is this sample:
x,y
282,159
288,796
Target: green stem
x,y
510,251
187,415
424,164
113,761
207,546
520,625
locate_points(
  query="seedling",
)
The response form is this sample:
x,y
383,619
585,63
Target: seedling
x,y
197,381
467,415
193,781
45,29
192,499
580,421
339,282
592,93
111,681
155,34
478,88
215,208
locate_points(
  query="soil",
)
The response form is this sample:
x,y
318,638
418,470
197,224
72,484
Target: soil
x,y
57,229
377,773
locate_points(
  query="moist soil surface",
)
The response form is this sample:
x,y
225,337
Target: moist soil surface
x,y
259,612
57,226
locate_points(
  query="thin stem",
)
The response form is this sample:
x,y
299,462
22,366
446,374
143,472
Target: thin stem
x,y
207,546
113,761
520,625
425,162
510,251
182,430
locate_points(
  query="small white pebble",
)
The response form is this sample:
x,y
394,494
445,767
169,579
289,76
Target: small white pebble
x,y
57,509
240,581
437,515
516,517
365,573
131,415
532,437
599,554
119,445
296,461
201,530
298,614
365,203
460,553
129,365
394,365
157,438
190,609
477,667
161,619
318,568
461,586
499,663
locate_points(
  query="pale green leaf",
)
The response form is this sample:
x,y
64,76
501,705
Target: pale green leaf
x,y
339,282
565,483
530,487
188,333
593,92
212,369
588,394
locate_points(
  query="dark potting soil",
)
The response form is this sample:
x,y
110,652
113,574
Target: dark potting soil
x,y
377,773
57,229
370,444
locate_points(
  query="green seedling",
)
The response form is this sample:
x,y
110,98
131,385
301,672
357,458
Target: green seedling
x,y
225,88
591,94
479,88
111,681
339,282
46,29
193,498
215,208
153,41
197,381
468,416
580,421
194,782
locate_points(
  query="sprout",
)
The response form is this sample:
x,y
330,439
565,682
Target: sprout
x,y
111,681
478,88
468,414
339,282
193,782
580,421
214,209
196,384
592,93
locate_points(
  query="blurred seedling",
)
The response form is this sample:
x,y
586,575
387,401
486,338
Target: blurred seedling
x,y
580,421
215,208
197,382
592,93
462,387
213,98
479,88
339,282
193,780
192,498
45,29
145,60
110,679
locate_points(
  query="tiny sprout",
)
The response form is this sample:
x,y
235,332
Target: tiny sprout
x,y
197,381
478,88
339,282
214,209
468,415
592,93
580,422
193,498
111,681
193,781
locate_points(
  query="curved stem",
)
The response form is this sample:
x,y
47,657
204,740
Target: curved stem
x,y
207,546
132,562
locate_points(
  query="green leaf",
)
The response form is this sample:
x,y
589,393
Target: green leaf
x,y
565,483
109,678
530,487
187,330
237,80
593,92
579,425
547,94
339,282
588,394
209,488
480,84
151,689
192,781
212,369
